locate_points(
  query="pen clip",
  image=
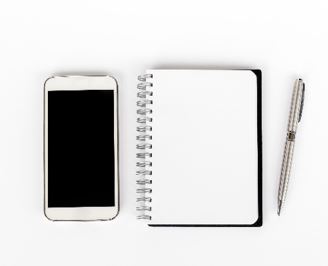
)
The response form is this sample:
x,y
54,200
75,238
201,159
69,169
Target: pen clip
x,y
302,103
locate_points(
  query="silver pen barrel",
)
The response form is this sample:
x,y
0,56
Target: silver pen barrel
x,y
294,118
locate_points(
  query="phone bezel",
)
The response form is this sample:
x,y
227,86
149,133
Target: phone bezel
x,y
71,83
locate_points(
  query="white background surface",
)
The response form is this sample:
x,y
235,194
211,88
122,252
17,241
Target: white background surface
x,y
285,39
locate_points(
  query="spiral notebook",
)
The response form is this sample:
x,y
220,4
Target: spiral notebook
x,y
199,148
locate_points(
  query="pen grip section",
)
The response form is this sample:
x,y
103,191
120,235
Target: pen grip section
x,y
286,169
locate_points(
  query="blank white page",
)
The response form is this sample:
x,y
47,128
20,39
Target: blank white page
x,y
204,146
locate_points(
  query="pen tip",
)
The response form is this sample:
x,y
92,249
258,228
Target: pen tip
x,y
279,207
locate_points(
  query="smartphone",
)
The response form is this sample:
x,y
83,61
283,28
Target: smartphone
x,y
81,148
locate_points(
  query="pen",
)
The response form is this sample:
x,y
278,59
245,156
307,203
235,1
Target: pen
x,y
295,115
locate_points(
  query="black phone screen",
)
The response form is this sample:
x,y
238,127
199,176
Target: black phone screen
x,y
81,148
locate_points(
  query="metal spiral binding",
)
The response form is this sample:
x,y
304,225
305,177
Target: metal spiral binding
x,y
144,146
